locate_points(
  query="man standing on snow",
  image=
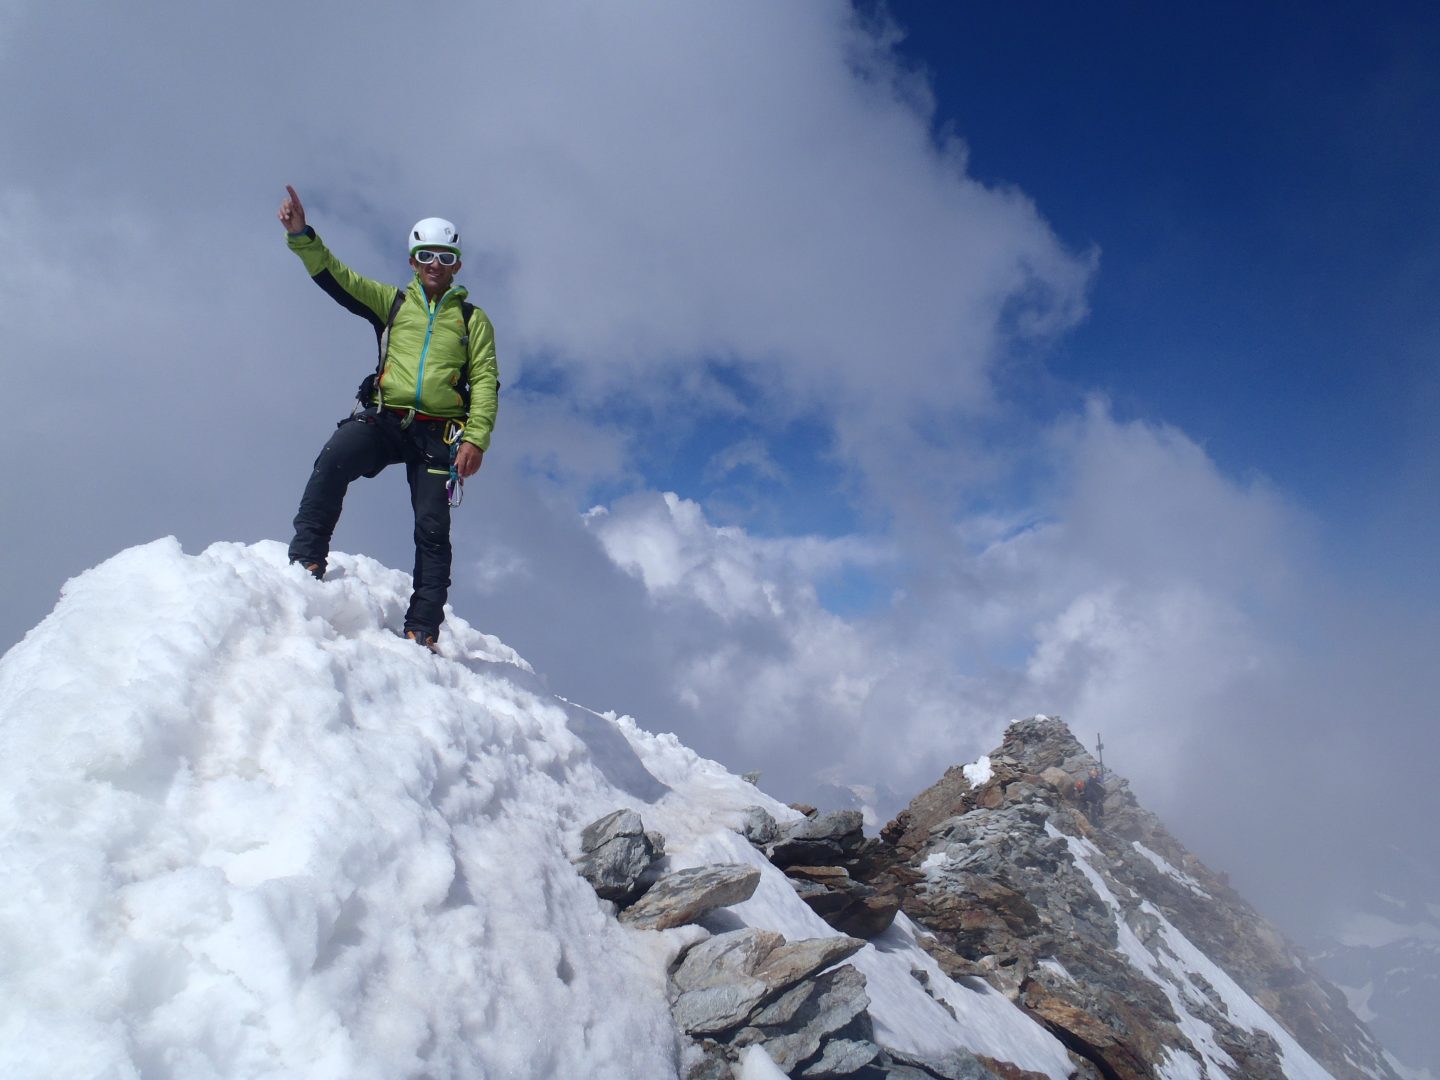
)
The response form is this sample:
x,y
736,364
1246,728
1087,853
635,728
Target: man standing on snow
x,y
431,407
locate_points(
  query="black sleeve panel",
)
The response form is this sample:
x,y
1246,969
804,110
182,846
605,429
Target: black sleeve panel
x,y
332,288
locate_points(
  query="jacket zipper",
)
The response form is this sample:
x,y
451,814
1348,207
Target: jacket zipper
x,y
425,349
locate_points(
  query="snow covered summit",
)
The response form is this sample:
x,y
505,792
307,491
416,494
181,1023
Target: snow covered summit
x,y
248,831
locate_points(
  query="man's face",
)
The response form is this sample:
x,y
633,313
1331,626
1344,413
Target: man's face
x,y
433,276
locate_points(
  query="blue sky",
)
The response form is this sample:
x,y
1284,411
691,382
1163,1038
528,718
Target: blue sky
x,y
1260,180
1257,183
871,377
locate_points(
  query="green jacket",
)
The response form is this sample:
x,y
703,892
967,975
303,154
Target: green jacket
x,y
427,355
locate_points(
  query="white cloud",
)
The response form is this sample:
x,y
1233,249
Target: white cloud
x,y
642,189
648,192
645,189
1080,614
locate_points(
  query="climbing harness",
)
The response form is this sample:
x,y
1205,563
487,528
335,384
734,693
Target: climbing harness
x,y
370,389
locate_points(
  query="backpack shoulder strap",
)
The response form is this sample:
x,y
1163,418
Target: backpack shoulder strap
x,y
395,306
467,309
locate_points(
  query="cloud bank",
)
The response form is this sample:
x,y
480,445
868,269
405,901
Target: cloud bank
x,y
762,472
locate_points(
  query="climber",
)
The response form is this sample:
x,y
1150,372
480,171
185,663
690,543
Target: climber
x,y
431,403
1092,796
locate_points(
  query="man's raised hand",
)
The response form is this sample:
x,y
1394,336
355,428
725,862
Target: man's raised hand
x,y
292,213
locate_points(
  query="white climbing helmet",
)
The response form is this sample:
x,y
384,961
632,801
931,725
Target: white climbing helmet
x,y
434,232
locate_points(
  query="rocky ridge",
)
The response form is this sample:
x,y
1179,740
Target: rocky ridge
x,y
1093,919
1114,936
736,988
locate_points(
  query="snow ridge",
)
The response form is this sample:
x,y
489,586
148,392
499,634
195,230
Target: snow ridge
x,y
247,831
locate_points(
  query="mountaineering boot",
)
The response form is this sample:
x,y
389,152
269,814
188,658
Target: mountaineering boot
x,y
314,569
423,637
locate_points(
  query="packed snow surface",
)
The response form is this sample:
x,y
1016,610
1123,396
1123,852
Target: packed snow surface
x,y
978,772
248,831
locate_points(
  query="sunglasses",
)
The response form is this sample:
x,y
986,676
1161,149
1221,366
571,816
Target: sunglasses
x,y
444,258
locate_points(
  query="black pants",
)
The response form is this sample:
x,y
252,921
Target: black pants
x,y
362,446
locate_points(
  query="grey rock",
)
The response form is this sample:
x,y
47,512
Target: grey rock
x,y
791,963
759,827
834,825
818,841
615,870
794,1027
612,825
850,906
784,853
714,1009
682,896
724,957
831,877
618,852
720,981
841,1057
808,890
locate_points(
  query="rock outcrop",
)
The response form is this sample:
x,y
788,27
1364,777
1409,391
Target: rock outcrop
x,y
842,875
740,988
1084,912
1116,938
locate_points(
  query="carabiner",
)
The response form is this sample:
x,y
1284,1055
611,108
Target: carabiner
x,y
454,487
